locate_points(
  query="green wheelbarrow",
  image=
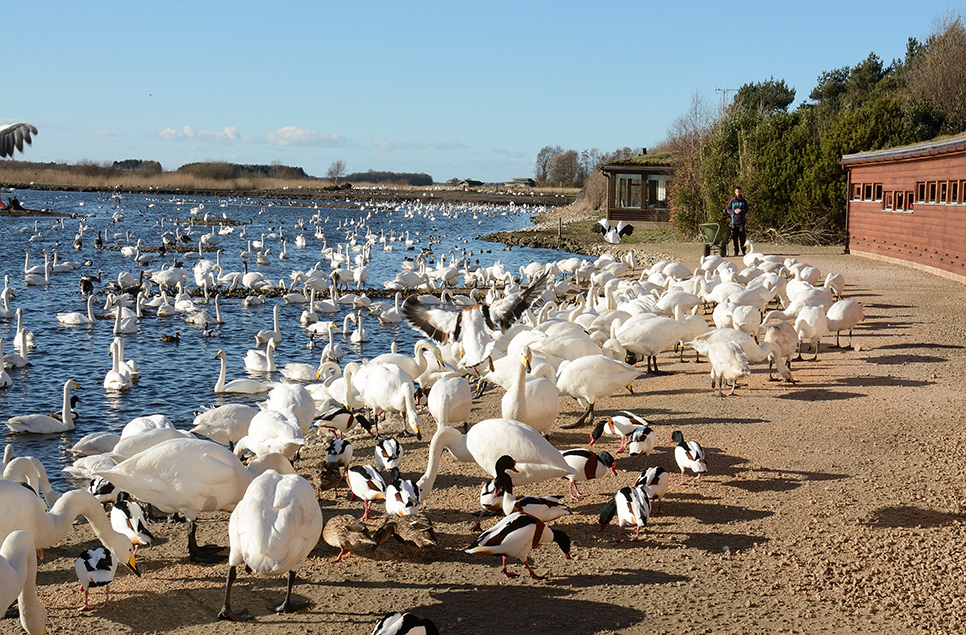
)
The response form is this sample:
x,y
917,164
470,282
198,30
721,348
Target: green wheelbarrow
x,y
716,235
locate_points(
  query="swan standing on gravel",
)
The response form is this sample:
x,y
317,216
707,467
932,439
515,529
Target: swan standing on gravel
x,y
536,459
534,402
190,476
273,529
23,510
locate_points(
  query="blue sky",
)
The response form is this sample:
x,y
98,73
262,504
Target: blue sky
x,y
467,90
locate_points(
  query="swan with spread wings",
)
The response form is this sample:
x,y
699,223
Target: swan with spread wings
x,y
472,326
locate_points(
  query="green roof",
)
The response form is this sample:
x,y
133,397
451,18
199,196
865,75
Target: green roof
x,y
656,159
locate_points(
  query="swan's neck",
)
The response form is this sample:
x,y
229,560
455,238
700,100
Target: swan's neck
x,y
57,523
65,413
220,384
448,438
20,554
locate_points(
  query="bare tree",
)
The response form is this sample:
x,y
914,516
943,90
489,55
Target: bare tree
x,y
937,73
336,171
541,170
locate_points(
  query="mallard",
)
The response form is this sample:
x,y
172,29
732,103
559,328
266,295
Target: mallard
x,y
415,530
348,533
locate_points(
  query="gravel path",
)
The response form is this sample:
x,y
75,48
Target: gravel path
x,y
833,505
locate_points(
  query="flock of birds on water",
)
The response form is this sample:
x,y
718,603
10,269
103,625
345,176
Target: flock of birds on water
x,y
569,327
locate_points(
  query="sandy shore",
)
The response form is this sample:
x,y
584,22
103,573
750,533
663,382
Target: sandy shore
x,y
833,505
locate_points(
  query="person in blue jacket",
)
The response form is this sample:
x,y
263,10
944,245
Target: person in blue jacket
x,y
738,211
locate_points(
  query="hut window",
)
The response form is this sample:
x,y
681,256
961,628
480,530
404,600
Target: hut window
x,y
867,193
954,192
932,192
878,192
656,192
856,192
887,202
943,192
922,193
899,200
629,191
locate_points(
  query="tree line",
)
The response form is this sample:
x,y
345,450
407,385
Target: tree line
x,y
787,160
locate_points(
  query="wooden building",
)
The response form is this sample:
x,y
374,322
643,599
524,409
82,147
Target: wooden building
x,y
637,188
907,205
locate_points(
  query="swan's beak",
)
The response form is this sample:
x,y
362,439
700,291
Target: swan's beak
x,y
132,565
77,387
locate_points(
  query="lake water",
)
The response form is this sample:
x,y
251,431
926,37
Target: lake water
x,y
177,380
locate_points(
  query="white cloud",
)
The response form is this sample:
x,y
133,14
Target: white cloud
x,y
293,136
227,135
381,143
103,133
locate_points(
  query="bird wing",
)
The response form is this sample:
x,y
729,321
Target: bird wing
x,y
624,228
507,310
434,323
13,136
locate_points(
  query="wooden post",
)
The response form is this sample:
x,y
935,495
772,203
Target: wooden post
x,y
559,228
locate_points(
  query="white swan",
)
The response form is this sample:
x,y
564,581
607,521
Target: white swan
x,y
394,315
126,364
413,366
225,424
272,431
359,335
45,424
332,351
263,362
24,339
262,337
728,363
811,326
116,379
23,510
79,319
451,401
387,388
589,378
124,325
273,529
534,402
190,476
18,581
844,315
241,386
536,459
